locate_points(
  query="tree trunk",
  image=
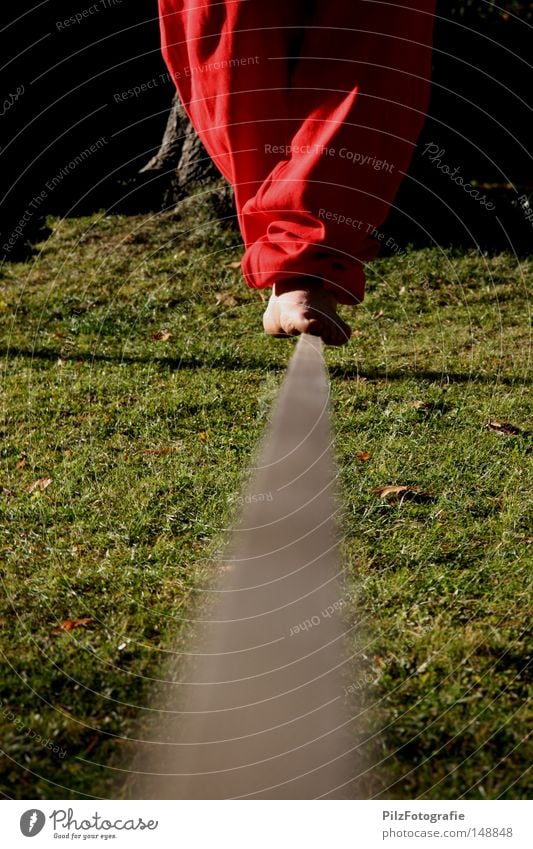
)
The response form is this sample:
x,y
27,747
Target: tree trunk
x,y
183,164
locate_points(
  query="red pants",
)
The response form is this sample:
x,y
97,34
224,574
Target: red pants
x,y
311,109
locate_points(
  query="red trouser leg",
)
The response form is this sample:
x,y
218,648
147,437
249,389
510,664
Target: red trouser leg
x,y
311,109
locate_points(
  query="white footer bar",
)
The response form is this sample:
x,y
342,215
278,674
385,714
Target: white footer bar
x,y
275,824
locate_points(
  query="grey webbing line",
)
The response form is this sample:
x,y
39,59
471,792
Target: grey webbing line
x,y
259,712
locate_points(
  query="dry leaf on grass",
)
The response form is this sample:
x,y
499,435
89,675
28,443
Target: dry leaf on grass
x,y
363,456
162,336
163,450
93,741
425,406
21,463
70,624
41,484
402,493
504,427
235,264
202,436
226,299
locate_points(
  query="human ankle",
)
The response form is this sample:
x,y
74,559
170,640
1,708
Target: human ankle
x,y
298,284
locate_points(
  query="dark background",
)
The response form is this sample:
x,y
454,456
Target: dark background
x,y
479,116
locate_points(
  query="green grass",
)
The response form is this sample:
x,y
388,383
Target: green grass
x,y
146,443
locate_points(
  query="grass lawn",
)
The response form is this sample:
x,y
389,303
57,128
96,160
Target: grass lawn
x,y
132,398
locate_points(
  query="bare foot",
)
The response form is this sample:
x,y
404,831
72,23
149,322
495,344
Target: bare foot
x,y
303,306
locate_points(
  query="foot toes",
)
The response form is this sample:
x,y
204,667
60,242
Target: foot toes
x,y
296,324
298,315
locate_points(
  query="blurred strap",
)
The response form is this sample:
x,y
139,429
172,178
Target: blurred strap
x,y
258,712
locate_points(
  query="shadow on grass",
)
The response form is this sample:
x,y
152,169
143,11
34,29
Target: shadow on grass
x,y
234,362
